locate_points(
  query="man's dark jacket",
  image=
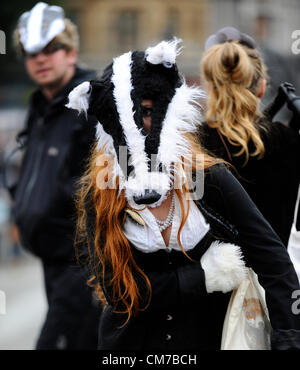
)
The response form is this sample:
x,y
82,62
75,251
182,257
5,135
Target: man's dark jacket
x,y
57,145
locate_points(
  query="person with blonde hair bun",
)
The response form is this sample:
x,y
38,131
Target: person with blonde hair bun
x,y
264,154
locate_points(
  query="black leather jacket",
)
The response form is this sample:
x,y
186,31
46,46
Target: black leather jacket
x,y
57,142
182,315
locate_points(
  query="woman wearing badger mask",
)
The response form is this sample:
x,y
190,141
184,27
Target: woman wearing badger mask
x,y
164,263
264,153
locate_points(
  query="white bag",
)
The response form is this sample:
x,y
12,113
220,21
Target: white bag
x,y
247,325
294,241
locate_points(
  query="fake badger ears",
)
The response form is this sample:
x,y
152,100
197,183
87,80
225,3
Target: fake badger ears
x,y
164,53
79,97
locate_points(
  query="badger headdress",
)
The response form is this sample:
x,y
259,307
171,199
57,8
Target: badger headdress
x,y
40,25
115,100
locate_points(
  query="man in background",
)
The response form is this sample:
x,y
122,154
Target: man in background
x,y
56,143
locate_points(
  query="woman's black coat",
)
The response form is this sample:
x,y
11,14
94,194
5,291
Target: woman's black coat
x,y
182,315
272,182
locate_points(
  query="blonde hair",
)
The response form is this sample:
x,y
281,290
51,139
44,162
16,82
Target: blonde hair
x,y
233,72
69,37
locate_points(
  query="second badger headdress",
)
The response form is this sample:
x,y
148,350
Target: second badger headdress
x,y
115,100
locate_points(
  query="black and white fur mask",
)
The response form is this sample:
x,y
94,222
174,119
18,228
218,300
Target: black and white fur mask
x,y
115,100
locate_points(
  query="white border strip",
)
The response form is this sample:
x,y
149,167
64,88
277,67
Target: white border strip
x,y
135,141
182,116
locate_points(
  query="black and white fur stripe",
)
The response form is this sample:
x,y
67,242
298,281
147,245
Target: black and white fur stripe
x,y
182,115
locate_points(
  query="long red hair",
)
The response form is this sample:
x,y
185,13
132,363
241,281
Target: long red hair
x,y
110,248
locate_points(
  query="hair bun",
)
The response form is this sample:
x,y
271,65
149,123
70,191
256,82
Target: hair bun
x,y
230,57
236,63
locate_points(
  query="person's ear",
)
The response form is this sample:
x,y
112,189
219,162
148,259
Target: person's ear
x,y
72,56
261,88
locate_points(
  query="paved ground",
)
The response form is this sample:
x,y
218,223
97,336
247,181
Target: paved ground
x,y
23,314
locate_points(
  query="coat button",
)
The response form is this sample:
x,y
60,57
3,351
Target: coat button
x,y
169,317
168,337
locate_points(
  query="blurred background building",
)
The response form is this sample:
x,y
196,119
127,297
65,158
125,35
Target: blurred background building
x,y
108,28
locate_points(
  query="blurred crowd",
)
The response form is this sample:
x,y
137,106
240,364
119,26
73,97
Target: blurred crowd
x,y
11,122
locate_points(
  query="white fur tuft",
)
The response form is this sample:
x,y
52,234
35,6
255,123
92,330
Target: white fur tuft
x,y
224,267
165,52
79,97
183,115
106,145
104,141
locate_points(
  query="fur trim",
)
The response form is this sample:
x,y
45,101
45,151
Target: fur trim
x,y
164,53
182,116
106,144
224,267
104,141
79,97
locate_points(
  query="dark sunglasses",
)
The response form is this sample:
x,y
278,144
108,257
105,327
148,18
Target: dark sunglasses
x,y
48,50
